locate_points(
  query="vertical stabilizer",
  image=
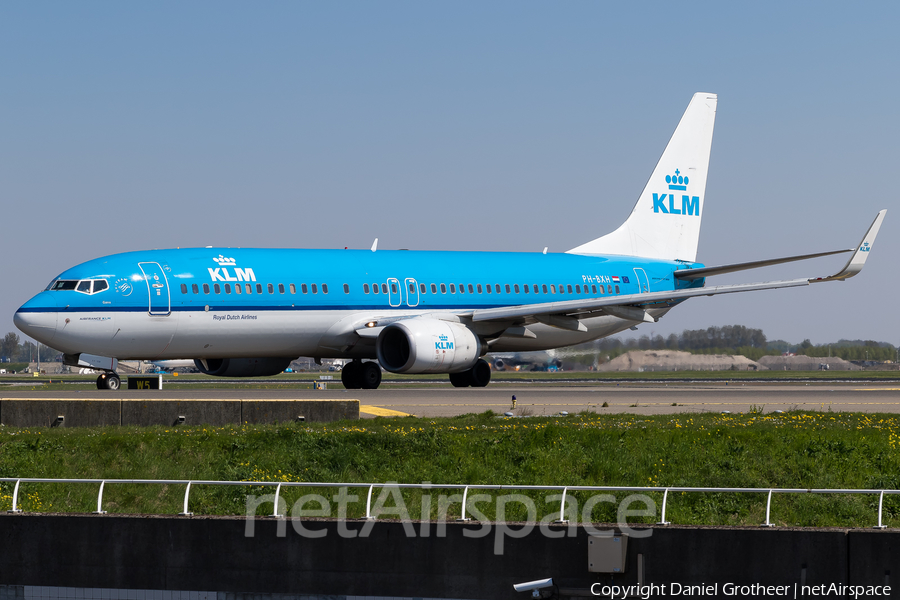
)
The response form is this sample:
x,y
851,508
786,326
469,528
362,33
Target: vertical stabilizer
x,y
665,222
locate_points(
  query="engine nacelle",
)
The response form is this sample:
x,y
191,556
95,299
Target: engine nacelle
x,y
243,367
427,346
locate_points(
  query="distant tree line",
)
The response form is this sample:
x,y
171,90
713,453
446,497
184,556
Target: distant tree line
x,y
736,339
12,349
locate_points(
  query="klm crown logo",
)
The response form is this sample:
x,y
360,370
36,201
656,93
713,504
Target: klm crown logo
x,y
443,344
665,203
224,261
865,247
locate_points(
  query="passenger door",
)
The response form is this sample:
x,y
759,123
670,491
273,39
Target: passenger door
x,y
157,288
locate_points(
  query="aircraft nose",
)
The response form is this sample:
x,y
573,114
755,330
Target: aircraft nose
x,y
37,318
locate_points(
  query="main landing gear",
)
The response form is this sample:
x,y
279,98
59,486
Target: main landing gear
x,y
358,375
477,376
108,381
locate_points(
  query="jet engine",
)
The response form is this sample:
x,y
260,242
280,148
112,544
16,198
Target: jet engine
x,y
427,346
242,367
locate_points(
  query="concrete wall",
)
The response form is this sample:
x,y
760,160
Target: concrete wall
x,y
182,553
93,413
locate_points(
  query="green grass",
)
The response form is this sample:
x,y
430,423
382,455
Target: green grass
x,y
790,450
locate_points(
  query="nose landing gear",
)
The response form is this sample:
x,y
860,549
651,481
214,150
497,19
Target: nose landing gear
x,y
108,381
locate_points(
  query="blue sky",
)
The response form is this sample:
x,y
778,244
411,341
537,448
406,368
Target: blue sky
x,y
486,126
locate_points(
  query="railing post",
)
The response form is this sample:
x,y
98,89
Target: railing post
x,y
562,508
187,492
16,497
465,496
277,494
369,516
768,507
880,502
100,510
662,520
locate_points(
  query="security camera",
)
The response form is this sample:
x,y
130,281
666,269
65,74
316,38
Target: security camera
x,y
534,586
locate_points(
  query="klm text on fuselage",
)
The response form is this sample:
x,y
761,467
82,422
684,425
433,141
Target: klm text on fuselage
x,y
665,203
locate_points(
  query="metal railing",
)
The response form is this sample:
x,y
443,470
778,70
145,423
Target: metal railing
x,y
431,486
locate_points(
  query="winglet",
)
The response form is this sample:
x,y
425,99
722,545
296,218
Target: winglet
x,y
375,245
858,260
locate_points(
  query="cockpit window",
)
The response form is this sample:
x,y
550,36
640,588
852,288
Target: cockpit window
x,y
85,286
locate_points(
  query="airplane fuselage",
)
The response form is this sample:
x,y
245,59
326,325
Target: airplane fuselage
x,y
221,302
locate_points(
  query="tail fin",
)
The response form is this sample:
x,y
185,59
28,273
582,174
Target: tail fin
x,y
665,222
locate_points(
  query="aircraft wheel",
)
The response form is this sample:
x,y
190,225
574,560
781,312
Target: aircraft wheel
x,y
101,382
113,382
351,375
371,375
460,379
480,374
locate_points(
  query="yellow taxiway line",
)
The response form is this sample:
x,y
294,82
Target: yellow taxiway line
x,y
380,412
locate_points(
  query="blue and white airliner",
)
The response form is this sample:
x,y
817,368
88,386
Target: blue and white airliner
x,y
243,312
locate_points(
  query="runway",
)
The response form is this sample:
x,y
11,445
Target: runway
x,y
549,399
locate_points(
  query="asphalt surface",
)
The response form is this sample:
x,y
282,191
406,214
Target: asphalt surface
x,y
548,399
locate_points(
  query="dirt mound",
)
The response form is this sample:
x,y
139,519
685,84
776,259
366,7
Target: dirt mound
x,y
673,360
806,363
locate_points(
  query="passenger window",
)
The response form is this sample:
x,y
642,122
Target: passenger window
x,y
525,287
535,288
601,290
205,288
280,288
346,288
324,288
259,288
227,288
452,288
293,288
393,288
384,288
315,288
365,288
100,285
479,288
544,288
304,288
84,287
552,288
238,288
249,288
498,288
422,287
184,288
569,288
443,288
375,287
194,288
516,287
271,288
471,291
617,289
577,289
609,289
433,288
217,288
593,289
507,288
412,288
